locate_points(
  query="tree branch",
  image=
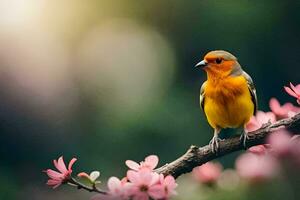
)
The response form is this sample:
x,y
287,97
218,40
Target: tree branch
x,y
196,156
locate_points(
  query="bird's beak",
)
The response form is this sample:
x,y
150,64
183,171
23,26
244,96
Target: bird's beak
x,y
202,63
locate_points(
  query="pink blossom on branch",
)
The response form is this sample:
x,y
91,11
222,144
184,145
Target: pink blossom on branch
x,y
280,142
284,111
256,168
137,185
168,185
117,190
149,163
141,183
285,146
259,120
118,187
294,91
207,173
62,175
144,184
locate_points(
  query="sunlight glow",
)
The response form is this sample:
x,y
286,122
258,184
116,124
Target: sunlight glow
x,y
19,13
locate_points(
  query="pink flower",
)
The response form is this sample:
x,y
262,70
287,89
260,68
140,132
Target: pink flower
x,y
284,111
285,147
62,175
256,168
118,188
294,91
150,163
168,185
259,149
283,144
280,142
207,173
259,120
143,184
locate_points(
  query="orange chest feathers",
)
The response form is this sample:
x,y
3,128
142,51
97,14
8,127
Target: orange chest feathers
x,y
226,89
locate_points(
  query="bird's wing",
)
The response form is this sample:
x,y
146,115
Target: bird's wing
x,y
252,89
202,95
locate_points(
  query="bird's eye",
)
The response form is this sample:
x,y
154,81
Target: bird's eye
x,y
219,60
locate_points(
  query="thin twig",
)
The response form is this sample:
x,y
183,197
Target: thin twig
x,y
196,156
79,185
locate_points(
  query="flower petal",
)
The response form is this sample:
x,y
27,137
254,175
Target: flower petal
x,y
133,176
94,175
274,104
297,92
157,192
71,163
208,172
265,117
280,142
60,165
252,125
54,183
290,92
155,178
169,180
256,167
132,165
83,175
170,185
54,174
145,177
114,184
152,161
258,149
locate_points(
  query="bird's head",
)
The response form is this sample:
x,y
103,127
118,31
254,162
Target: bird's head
x,y
219,62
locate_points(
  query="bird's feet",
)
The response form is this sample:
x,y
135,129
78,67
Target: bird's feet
x,y
244,137
214,144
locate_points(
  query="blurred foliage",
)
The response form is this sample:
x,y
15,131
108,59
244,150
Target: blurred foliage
x,y
273,189
107,81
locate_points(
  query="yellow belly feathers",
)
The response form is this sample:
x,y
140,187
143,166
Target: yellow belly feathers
x,y
228,103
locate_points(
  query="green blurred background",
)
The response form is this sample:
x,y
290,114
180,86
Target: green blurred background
x,y
106,81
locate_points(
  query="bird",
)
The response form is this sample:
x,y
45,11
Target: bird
x,y
228,96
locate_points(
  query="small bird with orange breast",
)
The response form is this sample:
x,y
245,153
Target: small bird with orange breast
x,y
228,96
